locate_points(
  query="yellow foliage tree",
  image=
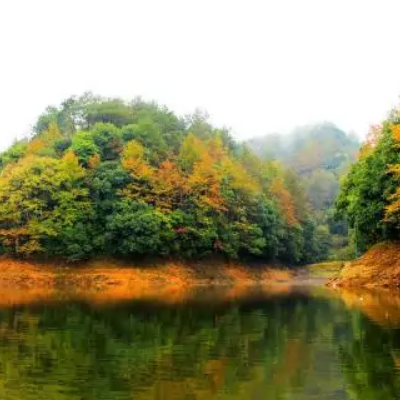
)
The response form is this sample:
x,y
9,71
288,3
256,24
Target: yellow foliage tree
x,y
190,152
168,186
394,206
371,141
39,196
134,161
41,144
284,200
94,161
204,184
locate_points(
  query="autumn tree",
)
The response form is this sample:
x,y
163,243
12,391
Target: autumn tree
x,y
368,198
102,176
284,200
40,197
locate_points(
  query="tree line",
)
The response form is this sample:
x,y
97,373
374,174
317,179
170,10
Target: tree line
x,y
321,154
102,176
370,194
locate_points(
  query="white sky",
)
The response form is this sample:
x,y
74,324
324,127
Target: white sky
x,y
256,66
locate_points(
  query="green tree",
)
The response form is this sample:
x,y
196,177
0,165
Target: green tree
x,y
367,190
108,176
40,198
139,229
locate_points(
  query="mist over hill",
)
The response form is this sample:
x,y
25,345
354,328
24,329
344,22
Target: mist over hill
x,y
320,153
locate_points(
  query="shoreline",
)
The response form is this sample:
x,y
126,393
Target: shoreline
x,y
107,281
101,273
379,267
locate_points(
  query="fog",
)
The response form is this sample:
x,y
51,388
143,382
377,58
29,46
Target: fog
x,y
255,66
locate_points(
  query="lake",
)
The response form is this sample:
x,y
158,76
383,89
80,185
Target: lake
x,y
280,343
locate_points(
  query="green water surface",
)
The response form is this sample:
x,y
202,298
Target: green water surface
x,y
294,345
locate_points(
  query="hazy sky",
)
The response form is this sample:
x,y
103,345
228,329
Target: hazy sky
x,y
256,66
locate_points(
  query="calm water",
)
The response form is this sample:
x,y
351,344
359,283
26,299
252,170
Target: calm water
x,y
294,345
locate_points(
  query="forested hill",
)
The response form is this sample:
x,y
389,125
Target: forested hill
x,y
370,194
320,153
310,147
106,177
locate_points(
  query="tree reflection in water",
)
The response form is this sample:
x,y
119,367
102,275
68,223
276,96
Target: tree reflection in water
x,y
293,346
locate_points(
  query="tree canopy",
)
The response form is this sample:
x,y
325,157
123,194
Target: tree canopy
x,y
370,193
104,176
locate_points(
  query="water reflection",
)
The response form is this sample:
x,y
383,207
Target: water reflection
x,y
265,344
382,306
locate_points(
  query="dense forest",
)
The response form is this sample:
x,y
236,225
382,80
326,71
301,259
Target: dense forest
x,y
370,194
321,154
103,176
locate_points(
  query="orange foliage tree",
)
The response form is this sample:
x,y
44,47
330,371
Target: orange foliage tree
x,y
284,200
394,206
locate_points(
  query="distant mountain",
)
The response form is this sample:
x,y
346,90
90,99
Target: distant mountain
x,y
310,147
320,153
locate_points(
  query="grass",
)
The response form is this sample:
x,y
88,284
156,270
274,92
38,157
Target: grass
x,y
327,269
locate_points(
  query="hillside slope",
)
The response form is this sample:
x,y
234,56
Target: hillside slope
x,y
380,266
